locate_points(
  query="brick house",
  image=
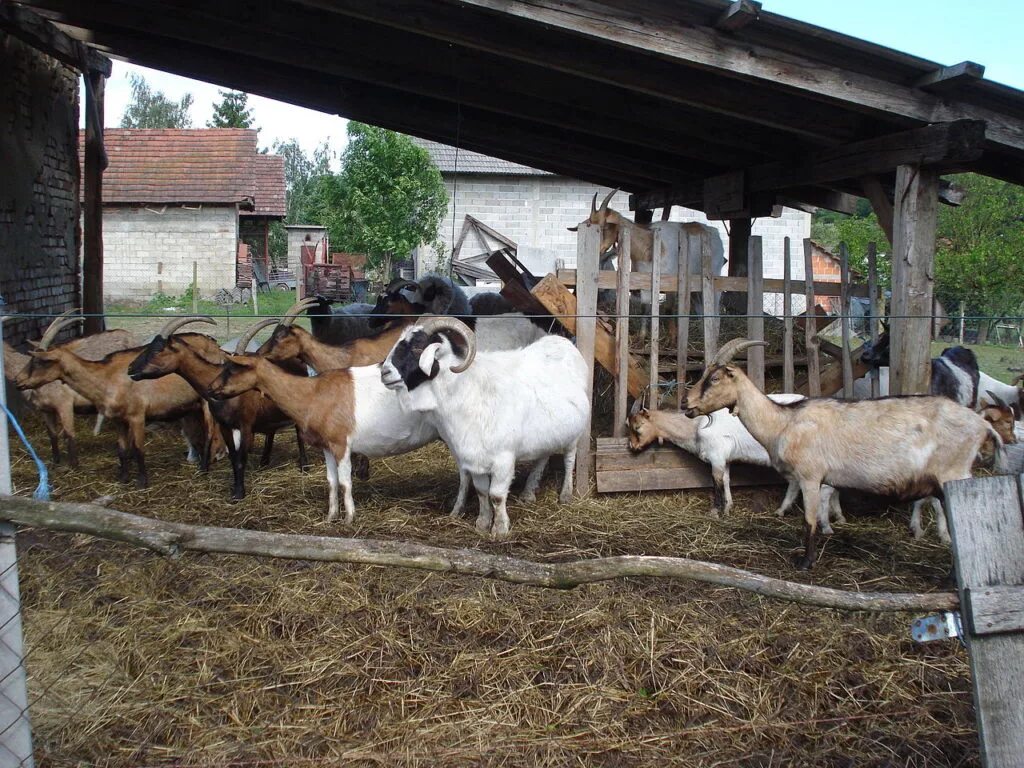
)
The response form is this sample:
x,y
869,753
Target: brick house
x,y
39,210
533,208
827,269
172,197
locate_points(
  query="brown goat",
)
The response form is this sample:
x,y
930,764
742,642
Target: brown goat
x,y
128,404
903,447
291,342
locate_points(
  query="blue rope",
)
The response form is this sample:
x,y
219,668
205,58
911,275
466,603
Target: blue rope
x,y
42,492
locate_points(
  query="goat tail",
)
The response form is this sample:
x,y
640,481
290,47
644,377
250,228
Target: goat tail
x,y
998,454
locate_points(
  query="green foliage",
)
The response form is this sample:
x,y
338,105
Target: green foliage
x,y
856,230
304,179
979,248
388,199
152,109
232,111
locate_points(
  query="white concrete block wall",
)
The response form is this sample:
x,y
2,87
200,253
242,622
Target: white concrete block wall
x,y
148,250
535,212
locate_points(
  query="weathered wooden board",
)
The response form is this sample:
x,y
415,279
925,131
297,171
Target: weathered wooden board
x,y
987,526
995,609
755,312
588,252
665,468
622,334
559,302
608,279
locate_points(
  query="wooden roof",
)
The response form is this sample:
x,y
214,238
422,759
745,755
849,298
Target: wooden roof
x,y
654,96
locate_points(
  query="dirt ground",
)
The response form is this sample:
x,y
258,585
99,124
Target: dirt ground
x,y
139,660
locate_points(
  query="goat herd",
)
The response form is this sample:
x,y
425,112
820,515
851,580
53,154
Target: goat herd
x,y
497,387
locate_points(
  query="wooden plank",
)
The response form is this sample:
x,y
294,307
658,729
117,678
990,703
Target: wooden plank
x,y
988,551
656,248
739,14
940,147
588,247
92,210
621,370
44,36
557,300
844,322
711,319
810,329
872,316
739,247
638,281
755,314
992,610
723,194
687,245
912,282
948,79
880,203
788,372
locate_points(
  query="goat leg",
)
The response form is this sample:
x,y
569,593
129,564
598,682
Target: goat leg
x,y
791,491
460,499
812,499
72,452
237,458
52,430
332,485
718,500
137,437
303,458
268,446
360,466
529,494
569,459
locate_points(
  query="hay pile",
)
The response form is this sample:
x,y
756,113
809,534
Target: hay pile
x,y
135,659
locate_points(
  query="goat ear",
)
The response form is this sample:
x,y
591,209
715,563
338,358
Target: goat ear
x,y
428,358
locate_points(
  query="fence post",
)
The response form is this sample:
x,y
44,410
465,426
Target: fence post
x,y
844,320
873,313
755,311
686,248
15,729
655,359
624,267
811,324
988,550
709,300
588,245
961,323
788,370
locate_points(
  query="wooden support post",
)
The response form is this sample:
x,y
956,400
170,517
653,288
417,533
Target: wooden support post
x,y
92,245
655,315
711,309
588,244
687,245
788,372
985,519
875,193
962,311
912,266
873,313
844,320
739,245
811,325
755,314
622,335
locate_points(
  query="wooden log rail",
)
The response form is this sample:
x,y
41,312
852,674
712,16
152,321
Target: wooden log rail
x,y
641,281
172,539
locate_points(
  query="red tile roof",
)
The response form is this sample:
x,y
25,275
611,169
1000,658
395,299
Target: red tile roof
x,y
201,165
268,174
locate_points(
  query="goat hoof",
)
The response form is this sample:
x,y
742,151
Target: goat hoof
x,y
714,514
565,498
528,497
804,563
484,526
827,530
456,513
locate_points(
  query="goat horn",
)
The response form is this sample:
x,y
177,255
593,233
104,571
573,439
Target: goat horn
x,y
995,398
399,283
58,325
607,199
250,331
435,324
293,311
732,348
593,204
1017,379
638,405
175,323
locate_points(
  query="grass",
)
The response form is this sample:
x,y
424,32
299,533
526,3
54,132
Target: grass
x,y
1000,362
136,659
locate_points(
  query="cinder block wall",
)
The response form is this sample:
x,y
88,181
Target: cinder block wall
x,y
535,212
150,250
39,235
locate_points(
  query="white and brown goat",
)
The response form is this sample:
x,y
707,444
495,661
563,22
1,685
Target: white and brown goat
x,y
902,447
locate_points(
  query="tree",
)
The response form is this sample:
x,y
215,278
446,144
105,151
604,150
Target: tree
x,y
305,179
152,109
232,111
388,199
978,249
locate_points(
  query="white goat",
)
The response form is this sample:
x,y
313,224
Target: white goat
x,y
721,439
495,407
905,447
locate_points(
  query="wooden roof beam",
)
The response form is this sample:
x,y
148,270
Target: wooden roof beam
x,y
948,79
941,147
738,15
36,31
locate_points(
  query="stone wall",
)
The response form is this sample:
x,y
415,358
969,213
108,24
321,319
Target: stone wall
x,y
149,250
535,212
39,236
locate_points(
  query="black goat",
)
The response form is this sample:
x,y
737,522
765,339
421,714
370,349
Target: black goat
x,y
338,325
955,372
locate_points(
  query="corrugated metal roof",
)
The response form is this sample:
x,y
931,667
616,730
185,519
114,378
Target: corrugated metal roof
x,y
444,157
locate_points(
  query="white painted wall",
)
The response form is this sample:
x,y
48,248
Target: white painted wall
x,y
150,250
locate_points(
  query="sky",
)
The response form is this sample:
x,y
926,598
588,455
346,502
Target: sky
x,y
988,32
